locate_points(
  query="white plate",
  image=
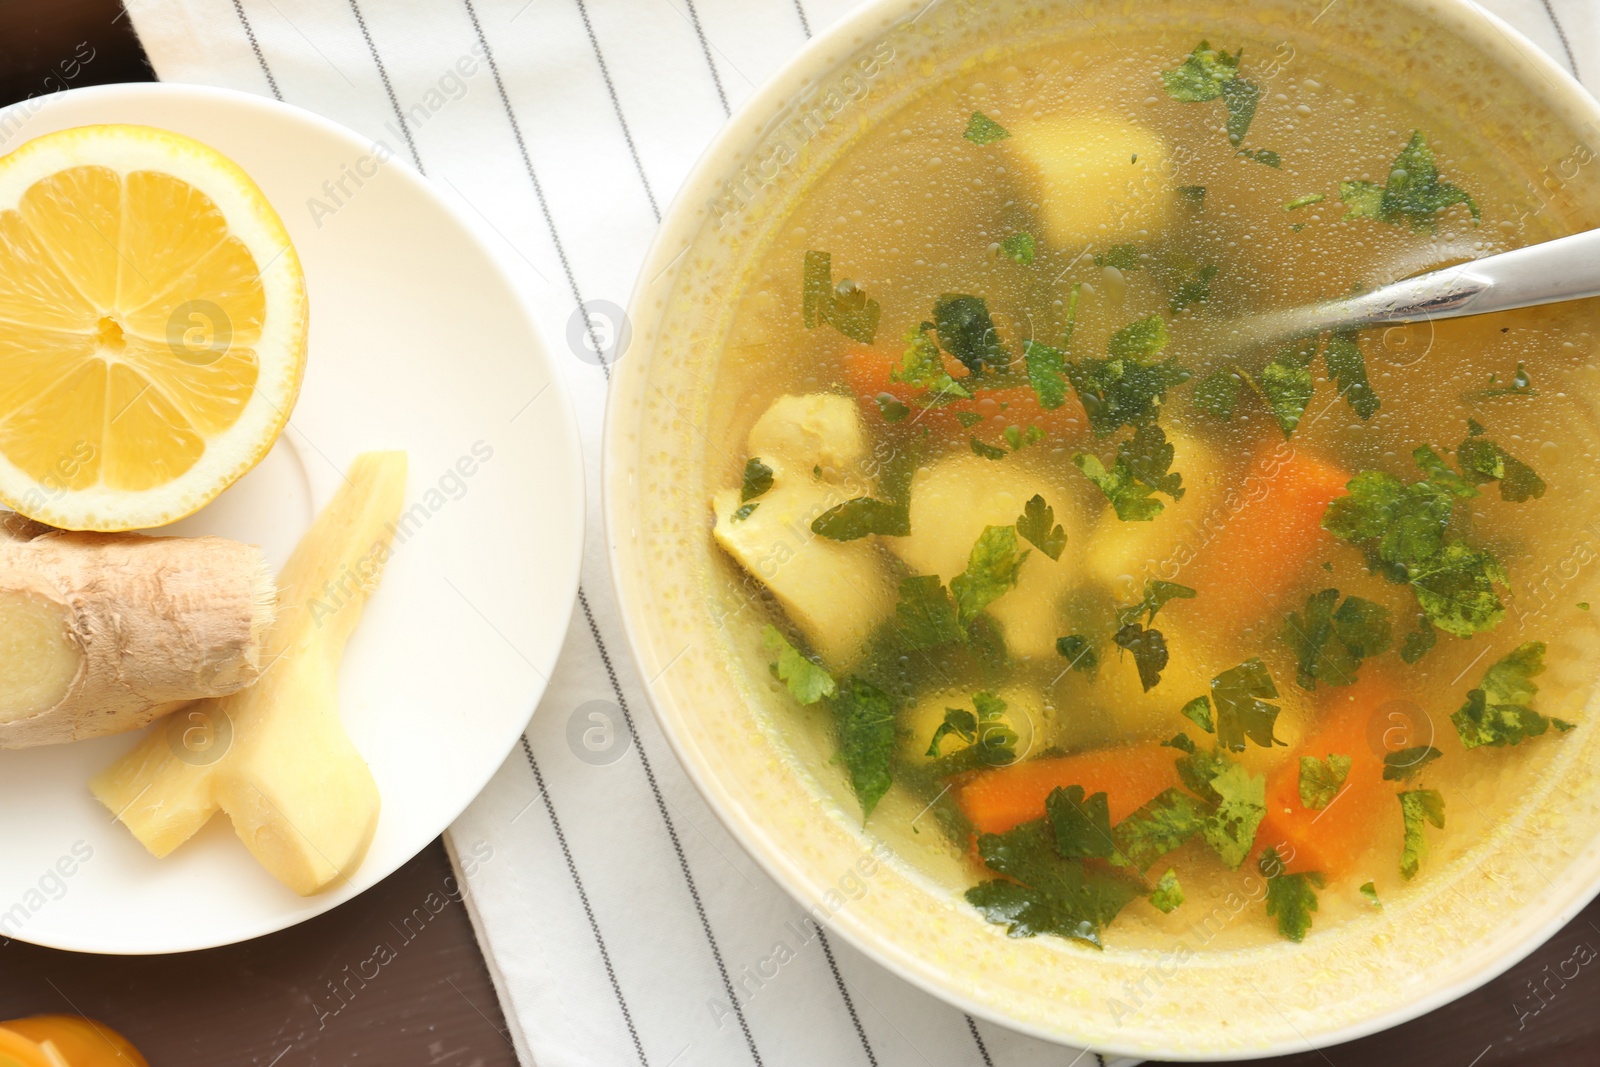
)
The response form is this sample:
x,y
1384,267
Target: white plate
x,y
419,341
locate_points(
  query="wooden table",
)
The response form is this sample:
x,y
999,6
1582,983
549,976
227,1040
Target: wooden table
x,y
295,999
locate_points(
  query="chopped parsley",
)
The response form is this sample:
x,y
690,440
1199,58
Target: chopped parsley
x,y
1403,530
864,719
1406,763
987,451
1047,373
890,407
1202,75
992,568
1240,696
1082,824
1322,779
981,129
1217,394
1287,385
744,511
1193,195
1329,643
1167,896
1018,438
1416,807
1156,829
1265,156
846,307
1198,711
1413,194
1482,461
968,419
1149,648
1193,288
1305,201
986,732
1142,469
923,366
1018,247
1521,385
925,614
1497,712
807,680
966,331
1291,897
1231,829
861,516
1348,369
1370,891
757,479
1127,388
1037,525
1079,653
1122,257
1043,892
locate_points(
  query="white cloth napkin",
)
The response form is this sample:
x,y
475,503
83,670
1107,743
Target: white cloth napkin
x,y
620,921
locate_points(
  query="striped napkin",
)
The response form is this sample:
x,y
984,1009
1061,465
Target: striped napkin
x,y
620,921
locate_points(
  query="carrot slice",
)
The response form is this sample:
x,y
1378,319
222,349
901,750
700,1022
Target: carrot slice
x,y
1352,722
999,799
1244,568
868,372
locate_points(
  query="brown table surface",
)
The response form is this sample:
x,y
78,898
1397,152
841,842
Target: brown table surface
x,y
265,1003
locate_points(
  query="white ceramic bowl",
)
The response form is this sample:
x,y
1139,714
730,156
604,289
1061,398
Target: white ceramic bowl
x,y
778,794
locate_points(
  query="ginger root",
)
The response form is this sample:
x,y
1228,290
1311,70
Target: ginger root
x,y
101,633
275,756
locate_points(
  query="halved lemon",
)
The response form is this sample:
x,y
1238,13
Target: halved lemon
x,y
152,327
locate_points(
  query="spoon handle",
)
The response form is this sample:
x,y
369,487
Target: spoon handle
x,y
1567,268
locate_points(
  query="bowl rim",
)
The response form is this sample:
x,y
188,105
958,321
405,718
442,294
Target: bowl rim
x,y
674,236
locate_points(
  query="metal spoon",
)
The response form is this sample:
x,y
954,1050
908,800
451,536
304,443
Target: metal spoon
x,y
1567,268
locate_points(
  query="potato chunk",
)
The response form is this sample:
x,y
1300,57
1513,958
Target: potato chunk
x,y
836,592
951,502
1098,179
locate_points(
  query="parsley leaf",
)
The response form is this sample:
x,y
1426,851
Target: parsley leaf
x,y
1414,193
1240,695
1483,461
1419,642
981,129
864,719
1240,97
1167,896
744,511
1079,653
890,407
808,682
923,366
1201,76
1370,891
1330,644
1194,288
1143,468
925,615
1402,531
1286,383
1416,807
1321,780
1348,369
1047,373
757,479
1043,893
1265,156
986,450
992,568
1019,247
1127,388
1231,829
958,721
1123,257
1404,764
863,515
1521,385
1157,828
1193,195
967,332
1198,711
1082,824
1497,713
1291,897
1304,201
1037,524
1157,595
1217,394
845,306
991,741
1149,648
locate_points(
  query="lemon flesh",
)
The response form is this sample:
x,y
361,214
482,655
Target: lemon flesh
x,y
152,327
